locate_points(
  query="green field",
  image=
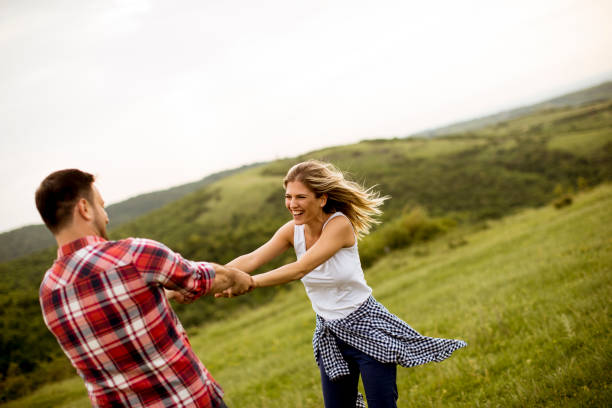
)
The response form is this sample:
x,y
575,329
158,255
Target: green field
x,y
530,293
441,188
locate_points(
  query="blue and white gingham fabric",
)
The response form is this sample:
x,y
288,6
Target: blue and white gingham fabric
x,y
373,330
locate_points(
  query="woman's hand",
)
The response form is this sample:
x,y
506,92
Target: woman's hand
x,y
237,290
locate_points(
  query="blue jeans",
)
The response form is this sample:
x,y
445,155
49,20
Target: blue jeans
x,y
379,381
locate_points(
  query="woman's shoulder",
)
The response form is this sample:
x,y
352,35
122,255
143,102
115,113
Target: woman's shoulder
x,y
287,229
338,218
288,226
284,233
339,223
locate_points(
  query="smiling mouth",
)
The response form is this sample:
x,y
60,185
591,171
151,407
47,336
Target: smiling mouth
x,y
296,213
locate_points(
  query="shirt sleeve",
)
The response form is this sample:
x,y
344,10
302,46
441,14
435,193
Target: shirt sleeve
x,y
160,265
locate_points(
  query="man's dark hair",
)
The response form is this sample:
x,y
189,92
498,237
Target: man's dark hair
x,y
58,194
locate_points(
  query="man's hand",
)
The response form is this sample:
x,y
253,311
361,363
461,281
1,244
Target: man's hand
x,y
178,296
243,283
235,291
230,282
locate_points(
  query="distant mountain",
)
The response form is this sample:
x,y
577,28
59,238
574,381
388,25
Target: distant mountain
x,y
23,241
32,238
602,92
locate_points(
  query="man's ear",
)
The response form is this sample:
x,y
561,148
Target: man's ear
x,y
84,209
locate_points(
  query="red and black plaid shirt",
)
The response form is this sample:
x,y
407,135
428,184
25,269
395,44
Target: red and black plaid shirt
x,y
105,303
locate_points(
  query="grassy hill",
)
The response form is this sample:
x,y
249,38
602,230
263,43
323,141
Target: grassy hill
x,y
26,240
465,179
132,208
529,293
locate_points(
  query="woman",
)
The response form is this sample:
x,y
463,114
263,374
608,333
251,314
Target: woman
x,y
355,335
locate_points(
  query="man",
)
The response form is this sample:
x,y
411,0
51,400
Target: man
x,y
105,302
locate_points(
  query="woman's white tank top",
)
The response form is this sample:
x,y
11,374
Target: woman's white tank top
x,y
337,287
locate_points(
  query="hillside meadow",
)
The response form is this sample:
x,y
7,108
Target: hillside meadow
x,y
459,181
528,292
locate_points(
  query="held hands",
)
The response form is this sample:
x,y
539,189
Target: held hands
x,y
243,283
229,282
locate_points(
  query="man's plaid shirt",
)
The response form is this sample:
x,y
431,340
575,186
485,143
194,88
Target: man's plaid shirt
x,y
104,302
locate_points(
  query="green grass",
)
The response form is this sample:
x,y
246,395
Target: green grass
x,y
412,148
582,143
483,174
529,293
243,192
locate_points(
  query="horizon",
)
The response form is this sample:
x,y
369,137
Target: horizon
x,y
149,98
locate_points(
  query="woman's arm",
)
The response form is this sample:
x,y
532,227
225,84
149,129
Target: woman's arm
x,y
279,243
337,234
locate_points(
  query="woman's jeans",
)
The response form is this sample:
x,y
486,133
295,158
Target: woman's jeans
x,y
379,381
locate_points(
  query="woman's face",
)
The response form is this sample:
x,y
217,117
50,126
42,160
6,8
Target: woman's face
x,y
302,202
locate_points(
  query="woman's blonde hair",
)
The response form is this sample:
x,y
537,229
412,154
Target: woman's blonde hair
x,y
359,204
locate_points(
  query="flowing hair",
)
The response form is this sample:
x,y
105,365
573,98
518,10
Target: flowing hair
x,y
359,204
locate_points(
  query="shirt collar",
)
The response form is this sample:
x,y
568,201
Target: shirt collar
x,y
78,244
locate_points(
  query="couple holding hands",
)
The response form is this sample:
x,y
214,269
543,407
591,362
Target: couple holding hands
x,y
107,301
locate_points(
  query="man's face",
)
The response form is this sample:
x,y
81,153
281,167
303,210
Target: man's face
x,y
100,217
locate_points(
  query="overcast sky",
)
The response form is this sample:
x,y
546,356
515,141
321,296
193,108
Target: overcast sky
x,y
151,94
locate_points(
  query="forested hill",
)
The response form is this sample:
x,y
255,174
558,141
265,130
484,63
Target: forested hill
x,y
25,240
463,178
597,93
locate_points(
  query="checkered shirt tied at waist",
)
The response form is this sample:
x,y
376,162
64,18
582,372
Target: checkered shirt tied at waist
x,y
373,330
